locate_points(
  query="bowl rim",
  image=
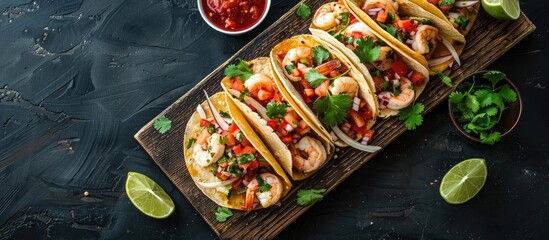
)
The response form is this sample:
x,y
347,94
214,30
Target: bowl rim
x,y
234,33
458,126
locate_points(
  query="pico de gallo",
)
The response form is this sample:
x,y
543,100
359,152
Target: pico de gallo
x,y
234,15
458,13
260,93
231,157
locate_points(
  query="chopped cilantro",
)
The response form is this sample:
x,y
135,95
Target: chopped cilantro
x,y
424,21
233,168
275,109
190,143
162,124
223,140
333,109
289,68
303,11
211,128
366,51
224,114
263,186
390,18
314,78
446,2
241,69
344,18
306,197
390,29
445,79
411,115
462,22
244,93
222,213
494,77
320,54
239,136
245,158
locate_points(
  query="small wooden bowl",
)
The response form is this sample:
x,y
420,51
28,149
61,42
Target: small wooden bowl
x,y
510,117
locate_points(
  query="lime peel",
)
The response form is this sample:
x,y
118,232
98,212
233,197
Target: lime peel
x,y
502,9
148,197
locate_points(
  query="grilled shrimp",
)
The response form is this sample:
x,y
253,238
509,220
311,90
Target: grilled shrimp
x,y
326,16
212,153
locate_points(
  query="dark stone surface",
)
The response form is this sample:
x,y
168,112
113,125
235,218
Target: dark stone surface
x,y
79,78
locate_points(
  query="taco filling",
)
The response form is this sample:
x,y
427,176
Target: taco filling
x,y
326,86
260,93
458,13
234,161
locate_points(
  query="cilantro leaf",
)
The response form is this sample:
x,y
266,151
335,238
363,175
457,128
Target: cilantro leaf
x,y
472,103
245,158
223,140
484,96
224,114
494,77
320,54
275,109
289,68
508,94
211,128
306,197
489,111
303,11
244,93
333,109
366,51
241,69
446,2
491,138
390,29
315,78
345,18
462,22
445,79
162,124
222,213
190,143
411,115
263,185
455,97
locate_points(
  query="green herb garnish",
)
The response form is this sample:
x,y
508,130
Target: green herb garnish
x,y
303,11
190,143
411,115
162,124
320,54
241,69
222,213
333,109
275,109
445,79
366,51
306,197
263,185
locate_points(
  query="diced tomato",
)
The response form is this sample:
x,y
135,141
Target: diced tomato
x,y
356,34
253,165
305,84
286,139
295,72
281,54
446,8
307,99
281,129
352,19
406,25
309,92
264,164
254,93
264,95
368,114
204,123
237,85
377,81
277,96
237,149
417,78
272,123
292,118
434,2
381,16
357,129
242,166
203,137
248,150
357,118
233,128
303,124
220,175
399,66
245,142
236,183
369,134
231,140
304,130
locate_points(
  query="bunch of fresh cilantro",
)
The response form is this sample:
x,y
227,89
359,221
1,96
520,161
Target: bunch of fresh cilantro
x,y
479,107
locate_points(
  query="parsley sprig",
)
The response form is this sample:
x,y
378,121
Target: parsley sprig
x,y
479,107
240,69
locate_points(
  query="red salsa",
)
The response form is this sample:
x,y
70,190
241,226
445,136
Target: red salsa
x,y
234,15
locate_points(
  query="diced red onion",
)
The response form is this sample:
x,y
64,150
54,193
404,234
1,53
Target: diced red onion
x,y
412,33
409,41
410,74
245,171
452,50
288,128
278,204
386,78
245,182
356,104
397,76
365,138
216,184
348,125
464,4
374,11
439,60
201,112
219,169
224,173
452,16
352,143
396,82
216,115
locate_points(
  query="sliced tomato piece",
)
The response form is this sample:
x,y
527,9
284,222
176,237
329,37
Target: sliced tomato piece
x,y
236,183
204,123
231,140
221,176
248,150
272,123
417,78
295,72
237,149
237,85
309,92
253,165
381,16
286,139
264,95
233,128
369,134
245,142
357,129
356,34
357,119
399,66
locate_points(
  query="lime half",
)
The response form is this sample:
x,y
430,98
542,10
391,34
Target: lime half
x,y
463,181
502,9
147,196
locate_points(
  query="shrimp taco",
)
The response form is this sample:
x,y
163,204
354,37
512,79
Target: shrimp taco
x,y
228,161
396,77
298,146
460,14
428,39
328,88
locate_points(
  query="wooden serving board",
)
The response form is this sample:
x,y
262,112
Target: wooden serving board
x,y
488,40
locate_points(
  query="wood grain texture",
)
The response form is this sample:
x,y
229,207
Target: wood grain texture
x,y
487,41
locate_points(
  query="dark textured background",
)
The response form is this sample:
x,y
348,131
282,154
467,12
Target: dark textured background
x,y
79,78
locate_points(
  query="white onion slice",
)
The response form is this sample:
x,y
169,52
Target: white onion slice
x,y
439,60
258,107
352,143
216,184
288,128
464,4
452,50
216,115
334,137
201,112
